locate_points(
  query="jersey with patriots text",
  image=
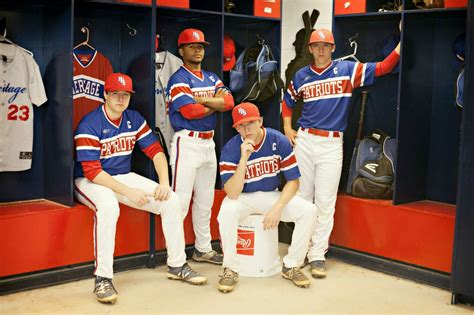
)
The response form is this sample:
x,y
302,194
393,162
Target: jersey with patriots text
x,y
98,138
272,156
90,69
21,86
326,96
182,87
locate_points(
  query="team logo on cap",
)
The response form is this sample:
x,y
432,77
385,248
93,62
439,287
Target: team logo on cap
x,y
121,80
196,35
242,111
321,34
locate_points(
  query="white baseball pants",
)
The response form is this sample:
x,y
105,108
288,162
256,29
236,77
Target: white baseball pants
x,y
194,166
298,210
105,202
320,163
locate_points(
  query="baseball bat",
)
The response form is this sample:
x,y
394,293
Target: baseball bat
x,y
352,170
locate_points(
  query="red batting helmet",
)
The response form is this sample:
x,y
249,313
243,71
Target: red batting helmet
x,y
191,35
321,36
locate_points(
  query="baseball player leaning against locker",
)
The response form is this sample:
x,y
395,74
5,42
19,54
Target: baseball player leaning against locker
x,y
326,88
250,166
195,96
104,141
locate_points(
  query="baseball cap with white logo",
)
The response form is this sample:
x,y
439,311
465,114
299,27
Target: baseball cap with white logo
x,y
245,112
321,36
191,35
118,82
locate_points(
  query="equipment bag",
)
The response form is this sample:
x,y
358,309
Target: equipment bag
x,y
256,77
366,188
375,167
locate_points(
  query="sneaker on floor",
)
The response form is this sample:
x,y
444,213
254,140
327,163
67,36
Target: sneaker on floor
x,y
228,281
318,269
212,257
186,274
104,290
296,275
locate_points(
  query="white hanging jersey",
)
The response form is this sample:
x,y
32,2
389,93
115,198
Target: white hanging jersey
x,y
166,64
20,87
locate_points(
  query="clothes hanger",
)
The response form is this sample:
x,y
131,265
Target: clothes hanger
x,y
352,56
4,39
85,30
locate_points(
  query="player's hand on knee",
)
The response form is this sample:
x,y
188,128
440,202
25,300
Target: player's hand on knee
x,y
138,196
291,134
271,219
162,192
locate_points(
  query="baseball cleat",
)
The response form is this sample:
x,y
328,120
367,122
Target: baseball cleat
x,y
318,269
296,275
212,257
228,281
104,290
187,274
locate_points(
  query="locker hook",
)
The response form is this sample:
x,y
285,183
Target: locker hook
x,y
131,31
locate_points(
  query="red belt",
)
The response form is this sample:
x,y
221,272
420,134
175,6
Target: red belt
x,y
201,134
321,132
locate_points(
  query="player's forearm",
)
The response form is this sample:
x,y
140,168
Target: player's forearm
x,y
234,186
161,168
287,123
219,103
104,179
287,193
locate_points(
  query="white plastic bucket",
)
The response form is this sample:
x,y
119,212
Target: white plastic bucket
x,y
257,248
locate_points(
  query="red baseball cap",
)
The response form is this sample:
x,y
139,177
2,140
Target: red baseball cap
x,y
321,36
118,82
229,53
245,112
191,35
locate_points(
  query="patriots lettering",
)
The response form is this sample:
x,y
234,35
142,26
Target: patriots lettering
x,y
119,145
263,167
319,89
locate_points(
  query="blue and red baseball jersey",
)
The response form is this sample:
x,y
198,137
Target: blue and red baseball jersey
x,y
272,156
182,87
326,96
98,138
90,69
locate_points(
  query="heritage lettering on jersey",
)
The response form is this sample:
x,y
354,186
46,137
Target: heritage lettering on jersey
x,y
88,87
14,90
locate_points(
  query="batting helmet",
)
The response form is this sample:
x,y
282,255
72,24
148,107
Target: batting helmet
x,y
191,35
321,36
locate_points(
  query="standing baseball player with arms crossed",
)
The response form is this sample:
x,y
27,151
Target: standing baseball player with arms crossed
x,y
325,87
250,166
195,96
104,141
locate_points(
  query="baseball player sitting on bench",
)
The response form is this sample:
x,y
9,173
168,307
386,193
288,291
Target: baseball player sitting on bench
x,y
326,88
195,96
104,141
250,166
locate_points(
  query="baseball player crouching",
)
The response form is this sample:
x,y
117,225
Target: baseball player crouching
x,y
195,96
104,141
250,166
325,87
